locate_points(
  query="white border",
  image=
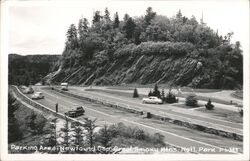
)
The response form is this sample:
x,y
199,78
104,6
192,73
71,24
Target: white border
x,y
4,88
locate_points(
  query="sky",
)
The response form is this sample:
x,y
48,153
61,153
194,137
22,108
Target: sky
x,y
40,27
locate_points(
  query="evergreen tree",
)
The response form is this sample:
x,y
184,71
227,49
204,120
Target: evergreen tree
x,y
106,16
209,105
135,94
116,20
66,137
90,126
97,17
162,94
83,28
150,93
126,17
156,92
31,122
72,42
179,14
105,137
51,139
78,135
14,131
149,15
129,28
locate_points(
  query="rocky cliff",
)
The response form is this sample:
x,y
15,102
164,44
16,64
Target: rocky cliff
x,y
149,49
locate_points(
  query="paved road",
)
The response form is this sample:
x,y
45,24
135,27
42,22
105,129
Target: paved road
x,y
200,141
183,113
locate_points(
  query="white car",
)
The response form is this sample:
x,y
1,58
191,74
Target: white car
x,y
152,99
37,95
28,90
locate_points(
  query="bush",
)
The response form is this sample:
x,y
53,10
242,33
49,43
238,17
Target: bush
x,y
191,100
209,105
170,98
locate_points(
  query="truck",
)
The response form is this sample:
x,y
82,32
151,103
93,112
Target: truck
x,y
64,86
75,111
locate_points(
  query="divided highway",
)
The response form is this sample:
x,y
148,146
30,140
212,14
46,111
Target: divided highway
x,y
195,141
192,115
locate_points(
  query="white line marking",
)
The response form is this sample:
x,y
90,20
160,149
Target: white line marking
x,y
175,134
160,130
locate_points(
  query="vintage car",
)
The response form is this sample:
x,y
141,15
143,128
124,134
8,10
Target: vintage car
x,y
75,112
152,99
37,95
28,90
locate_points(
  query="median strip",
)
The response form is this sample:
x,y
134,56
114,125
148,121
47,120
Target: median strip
x,y
189,123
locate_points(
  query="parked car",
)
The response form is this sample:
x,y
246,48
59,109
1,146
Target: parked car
x,y
28,90
37,95
75,112
152,99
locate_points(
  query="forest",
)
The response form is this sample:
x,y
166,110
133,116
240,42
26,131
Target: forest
x,y
148,49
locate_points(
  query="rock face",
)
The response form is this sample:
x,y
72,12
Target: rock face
x,y
187,70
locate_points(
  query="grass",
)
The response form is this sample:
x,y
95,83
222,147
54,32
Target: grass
x,y
198,90
202,98
117,93
237,94
185,106
226,114
129,95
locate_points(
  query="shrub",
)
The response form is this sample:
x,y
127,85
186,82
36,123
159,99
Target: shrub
x,y
209,105
135,95
170,98
240,109
191,100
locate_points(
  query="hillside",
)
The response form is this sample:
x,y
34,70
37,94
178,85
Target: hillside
x,y
149,49
30,69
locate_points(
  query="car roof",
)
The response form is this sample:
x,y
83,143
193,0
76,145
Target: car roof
x,y
39,92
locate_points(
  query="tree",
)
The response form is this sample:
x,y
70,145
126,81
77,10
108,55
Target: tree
x,y
162,94
83,28
31,122
51,139
126,17
66,136
129,28
72,42
116,20
135,94
149,15
171,97
191,100
106,16
150,93
209,105
104,137
97,17
78,135
89,125
156,92
179,14
14,131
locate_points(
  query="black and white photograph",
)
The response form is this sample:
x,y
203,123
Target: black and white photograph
x,y
125,80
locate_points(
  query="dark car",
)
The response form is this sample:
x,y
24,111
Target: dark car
x,y
77,111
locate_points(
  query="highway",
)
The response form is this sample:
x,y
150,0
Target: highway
x,y
167,109
175,135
